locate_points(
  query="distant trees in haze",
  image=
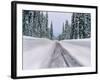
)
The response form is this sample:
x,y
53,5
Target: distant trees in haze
x,y
80,27
65,31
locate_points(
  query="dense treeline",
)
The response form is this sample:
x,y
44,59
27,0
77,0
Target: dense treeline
x,y
80,27
35,23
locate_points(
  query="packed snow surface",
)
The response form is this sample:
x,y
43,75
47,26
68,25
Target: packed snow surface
x,y
44,53
80,49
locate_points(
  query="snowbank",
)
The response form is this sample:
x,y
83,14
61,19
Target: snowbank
x,y
36,52
80,42
80,49
32,42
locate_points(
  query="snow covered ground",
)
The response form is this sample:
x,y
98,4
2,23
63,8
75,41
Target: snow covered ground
x,y
38,52
80,49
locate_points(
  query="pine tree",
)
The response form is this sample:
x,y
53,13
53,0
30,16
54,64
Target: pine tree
x,y
36,24
62,36
25,22
87,28
72,26
63,28
51,31
67,30
47,30
81,26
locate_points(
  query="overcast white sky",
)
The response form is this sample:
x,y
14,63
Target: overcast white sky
x,y
57,19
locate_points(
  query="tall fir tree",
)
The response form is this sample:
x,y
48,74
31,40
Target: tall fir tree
x,y
35,23
62,36
51,31
87,28
81,26
25,22
67,30
72,26
47,30
63,28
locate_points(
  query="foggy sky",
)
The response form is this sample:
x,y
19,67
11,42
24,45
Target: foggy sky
x,y
58,18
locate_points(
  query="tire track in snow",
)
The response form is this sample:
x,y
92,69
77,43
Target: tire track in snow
x,y
62,58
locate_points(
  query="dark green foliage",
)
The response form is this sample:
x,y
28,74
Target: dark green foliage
x,y
81,26
35,23
51,31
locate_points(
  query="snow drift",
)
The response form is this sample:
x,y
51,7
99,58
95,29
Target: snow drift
x,y
36,52
80,49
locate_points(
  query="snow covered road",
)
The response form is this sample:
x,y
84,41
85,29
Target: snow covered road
x,y
62,58
79,49
39,53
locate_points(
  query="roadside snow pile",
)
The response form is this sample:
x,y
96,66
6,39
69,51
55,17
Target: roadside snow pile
x,y
36,52
80,42
32,42
80,49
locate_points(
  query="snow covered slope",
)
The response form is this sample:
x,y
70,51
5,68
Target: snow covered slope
x,y
80,49
36,52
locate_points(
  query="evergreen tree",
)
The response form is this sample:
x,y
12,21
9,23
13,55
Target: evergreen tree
x,y
87,28
25,22
81,26
63,28
67,30
35,23
51,31
62,36
72,26
47,30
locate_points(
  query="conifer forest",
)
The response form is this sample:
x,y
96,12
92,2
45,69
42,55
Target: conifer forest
x,y
35,24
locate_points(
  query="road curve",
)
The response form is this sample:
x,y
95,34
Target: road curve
x,y
62,58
